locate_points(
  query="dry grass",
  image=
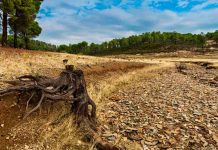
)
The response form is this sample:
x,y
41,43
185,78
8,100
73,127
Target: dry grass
x,y
19,62
103,75
68,134
64,135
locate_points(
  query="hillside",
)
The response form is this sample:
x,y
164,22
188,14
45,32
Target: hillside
x,y
142,101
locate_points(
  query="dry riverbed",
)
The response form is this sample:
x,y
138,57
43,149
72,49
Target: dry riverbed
x,y
165,109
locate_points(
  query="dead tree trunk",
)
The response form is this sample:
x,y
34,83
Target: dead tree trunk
x,y
70,87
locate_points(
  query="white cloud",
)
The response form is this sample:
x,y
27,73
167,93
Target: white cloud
x,y
183,3
154,2
205,4
94,25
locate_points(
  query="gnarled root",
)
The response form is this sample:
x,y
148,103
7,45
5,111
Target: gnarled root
x,y
70,87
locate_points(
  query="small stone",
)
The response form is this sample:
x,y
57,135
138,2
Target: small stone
x,y
135,137
140,130
110,137
50,88
26,147
159,126
14,104
49,129
2,125
172,141
13,136
145,147
214,107
79,142
151,143
132,129
125,139
205,144
7,138
106,127
115,98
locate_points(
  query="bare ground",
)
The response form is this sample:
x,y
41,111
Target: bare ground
x,y
141,102
164,110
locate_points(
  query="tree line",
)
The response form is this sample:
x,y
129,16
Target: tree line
x,y
20,16
143,43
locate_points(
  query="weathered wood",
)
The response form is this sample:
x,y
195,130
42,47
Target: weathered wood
x,y
70,87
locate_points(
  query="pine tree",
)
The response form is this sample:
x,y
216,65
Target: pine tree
x,y
22,21
32,31
6,6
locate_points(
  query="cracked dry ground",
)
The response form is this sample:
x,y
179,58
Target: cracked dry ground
x,y
164,110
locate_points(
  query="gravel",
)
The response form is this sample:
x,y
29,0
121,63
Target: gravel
x,y
168,111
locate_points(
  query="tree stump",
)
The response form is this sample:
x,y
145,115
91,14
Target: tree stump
x,y
70,87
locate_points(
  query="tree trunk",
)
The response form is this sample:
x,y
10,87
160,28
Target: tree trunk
x,y
4,29
15,36
26,42
15,32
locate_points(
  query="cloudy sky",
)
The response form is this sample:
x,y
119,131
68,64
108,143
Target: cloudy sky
x,y
73,21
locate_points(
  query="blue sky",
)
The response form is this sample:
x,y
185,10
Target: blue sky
x,y
73,21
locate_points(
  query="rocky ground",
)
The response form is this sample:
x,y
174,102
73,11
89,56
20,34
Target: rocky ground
x,y
165,110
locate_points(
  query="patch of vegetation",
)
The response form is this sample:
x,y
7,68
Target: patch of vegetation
x,y
149,42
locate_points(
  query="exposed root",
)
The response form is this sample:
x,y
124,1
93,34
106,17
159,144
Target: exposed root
x,y
35,108
27,104
70,87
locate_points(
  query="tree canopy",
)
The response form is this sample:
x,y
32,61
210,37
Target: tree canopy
x,y
21,15
143,43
